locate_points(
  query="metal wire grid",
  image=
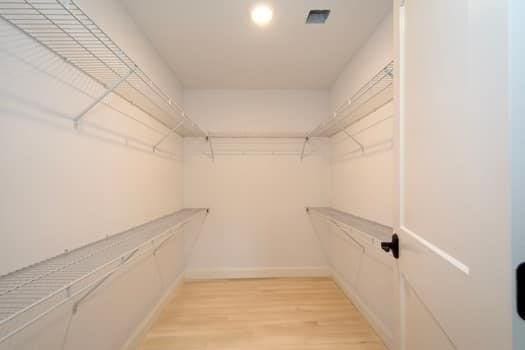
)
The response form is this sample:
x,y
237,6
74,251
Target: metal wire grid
x,y
32,291
17,47
372,96
260,146
374,229
64,29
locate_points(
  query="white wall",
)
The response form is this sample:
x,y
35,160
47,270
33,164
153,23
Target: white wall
x,y
62,188
257,111
257,225
375,54
363,185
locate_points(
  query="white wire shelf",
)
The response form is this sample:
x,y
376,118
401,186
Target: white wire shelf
x,y
28,294
64,29
256,135
369,98
254,144
371,231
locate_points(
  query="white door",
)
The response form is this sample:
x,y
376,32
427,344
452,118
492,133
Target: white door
x,y
453,175
517,117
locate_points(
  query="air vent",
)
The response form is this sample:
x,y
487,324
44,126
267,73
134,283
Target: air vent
x,y
317,16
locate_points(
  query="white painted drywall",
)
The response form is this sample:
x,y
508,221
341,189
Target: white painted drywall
x,y
517,119
363,185
62,188
256,111
375,53
257,225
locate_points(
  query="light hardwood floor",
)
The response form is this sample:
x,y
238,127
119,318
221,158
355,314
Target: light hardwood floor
x,y
253,314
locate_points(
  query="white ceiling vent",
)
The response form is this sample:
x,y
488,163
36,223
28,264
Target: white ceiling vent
x,y
317,16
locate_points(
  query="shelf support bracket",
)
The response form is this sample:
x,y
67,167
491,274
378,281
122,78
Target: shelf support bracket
x,y
101,281
171,236
173,130
306,139
210,144
112,88
355,140
389,71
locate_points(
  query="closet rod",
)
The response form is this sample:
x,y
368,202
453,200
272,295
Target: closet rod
x,y
254,153
370,231
255,136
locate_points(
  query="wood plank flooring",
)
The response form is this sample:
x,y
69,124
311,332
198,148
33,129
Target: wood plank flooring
x,y
253,314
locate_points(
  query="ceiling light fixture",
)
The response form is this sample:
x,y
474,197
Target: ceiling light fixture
x,y
262,14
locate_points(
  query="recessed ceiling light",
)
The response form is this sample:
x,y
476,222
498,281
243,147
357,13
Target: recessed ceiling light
x,y
262,14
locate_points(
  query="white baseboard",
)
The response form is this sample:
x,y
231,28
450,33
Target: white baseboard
x,y
143,328
229,273
380,328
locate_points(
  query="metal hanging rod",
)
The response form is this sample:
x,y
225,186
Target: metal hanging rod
x,y
64,29
247,135
171,236
369,149
242,145
165,137
128,141
254,153
352,225
368,127
351,137
252,138
96,285
31,293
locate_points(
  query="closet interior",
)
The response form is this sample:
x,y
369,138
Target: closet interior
x,y
237,174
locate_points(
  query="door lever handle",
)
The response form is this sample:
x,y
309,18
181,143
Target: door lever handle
x,y
520,290
392,246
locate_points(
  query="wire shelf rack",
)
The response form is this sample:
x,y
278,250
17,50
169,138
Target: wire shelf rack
x,y
370,231
254,145
67,31
28,294
370,97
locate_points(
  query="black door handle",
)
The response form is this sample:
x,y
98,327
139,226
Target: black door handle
x,y
392,246
520,290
